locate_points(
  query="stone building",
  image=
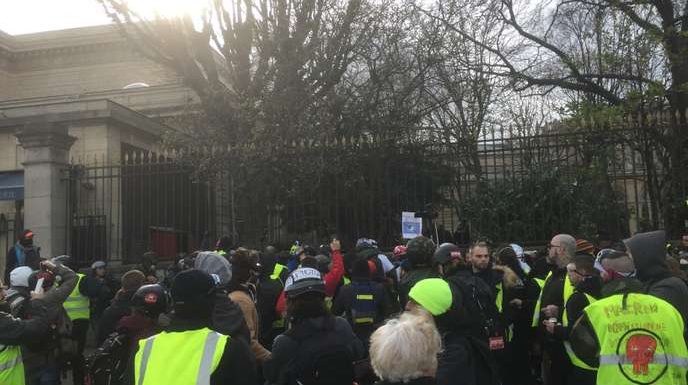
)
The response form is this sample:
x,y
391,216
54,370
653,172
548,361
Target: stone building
x,y
80,93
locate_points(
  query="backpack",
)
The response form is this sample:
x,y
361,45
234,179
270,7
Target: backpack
x,y
478,313
17,302
363,304
323,357
107,365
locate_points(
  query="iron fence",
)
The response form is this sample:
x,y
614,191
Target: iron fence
x,y
504,186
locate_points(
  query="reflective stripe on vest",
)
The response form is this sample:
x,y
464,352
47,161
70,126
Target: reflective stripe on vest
x,y
641,340
188,357
77,305
11,365
568,290
500,297
567,345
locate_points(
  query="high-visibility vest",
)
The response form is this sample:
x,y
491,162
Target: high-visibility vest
x,y
275,276
77,305
11,365
567,345
277,271
641,340
179,358
500,297
568,290
221,252
346,281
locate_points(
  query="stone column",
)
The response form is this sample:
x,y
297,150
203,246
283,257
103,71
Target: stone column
x,y
46,148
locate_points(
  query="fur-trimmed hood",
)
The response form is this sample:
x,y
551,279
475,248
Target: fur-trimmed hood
x,y
509,277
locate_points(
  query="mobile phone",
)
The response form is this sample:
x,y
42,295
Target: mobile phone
x,y
39,286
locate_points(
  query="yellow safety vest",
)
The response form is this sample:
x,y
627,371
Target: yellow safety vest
x,y
179,358
346,280
641,341
11,365
568,290
77,306
276,274
500,297
277,271
567,345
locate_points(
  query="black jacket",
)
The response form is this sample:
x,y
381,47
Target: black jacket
x,y
236,367
343,302
553,292
649,256
285,348
227,317
32,258
267,293
577,303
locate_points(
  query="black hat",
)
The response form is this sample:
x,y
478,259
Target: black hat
x,y
304,280
192,285
446,252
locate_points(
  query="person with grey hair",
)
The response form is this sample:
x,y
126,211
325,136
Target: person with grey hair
x,y
549,308
404,350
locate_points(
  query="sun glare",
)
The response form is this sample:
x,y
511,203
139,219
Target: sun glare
x,y
168,8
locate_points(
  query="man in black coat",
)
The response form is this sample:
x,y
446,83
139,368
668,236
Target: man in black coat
x,y
120,306
23,253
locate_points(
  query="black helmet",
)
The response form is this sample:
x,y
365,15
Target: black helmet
x,y
152,299
420,250
446,252
304,280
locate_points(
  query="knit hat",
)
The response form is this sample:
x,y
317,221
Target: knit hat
x,y
191,286
215,265
132,280
583,246
433,294
19,277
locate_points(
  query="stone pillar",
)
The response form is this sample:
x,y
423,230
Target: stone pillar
x,y
46,148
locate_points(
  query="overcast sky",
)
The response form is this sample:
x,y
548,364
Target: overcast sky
x,y
27,16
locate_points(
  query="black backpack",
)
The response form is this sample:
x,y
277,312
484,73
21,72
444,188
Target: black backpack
x,y
323,357
477,313
107,365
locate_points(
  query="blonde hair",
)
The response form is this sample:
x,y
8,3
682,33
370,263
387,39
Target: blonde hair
x,y
406,348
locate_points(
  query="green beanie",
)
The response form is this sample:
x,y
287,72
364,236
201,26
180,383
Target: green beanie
x,y
433,294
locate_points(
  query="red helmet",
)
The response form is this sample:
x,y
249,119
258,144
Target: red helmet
x,y
399,251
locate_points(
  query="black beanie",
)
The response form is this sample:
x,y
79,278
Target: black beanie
x,y
191,286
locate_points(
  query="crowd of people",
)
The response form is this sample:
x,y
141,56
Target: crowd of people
x,y
576,313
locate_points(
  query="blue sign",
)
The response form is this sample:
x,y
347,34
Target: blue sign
x,y
12,186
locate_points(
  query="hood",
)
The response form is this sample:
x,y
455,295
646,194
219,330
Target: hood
x,y
649,255
214,264
19,277
509,277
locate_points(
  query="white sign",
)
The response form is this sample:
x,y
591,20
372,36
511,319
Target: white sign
x,y
411,226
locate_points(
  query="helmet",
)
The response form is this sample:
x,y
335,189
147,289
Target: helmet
x,y
446,252
295,249
98,265
304,280
152,299
399,251
420,250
